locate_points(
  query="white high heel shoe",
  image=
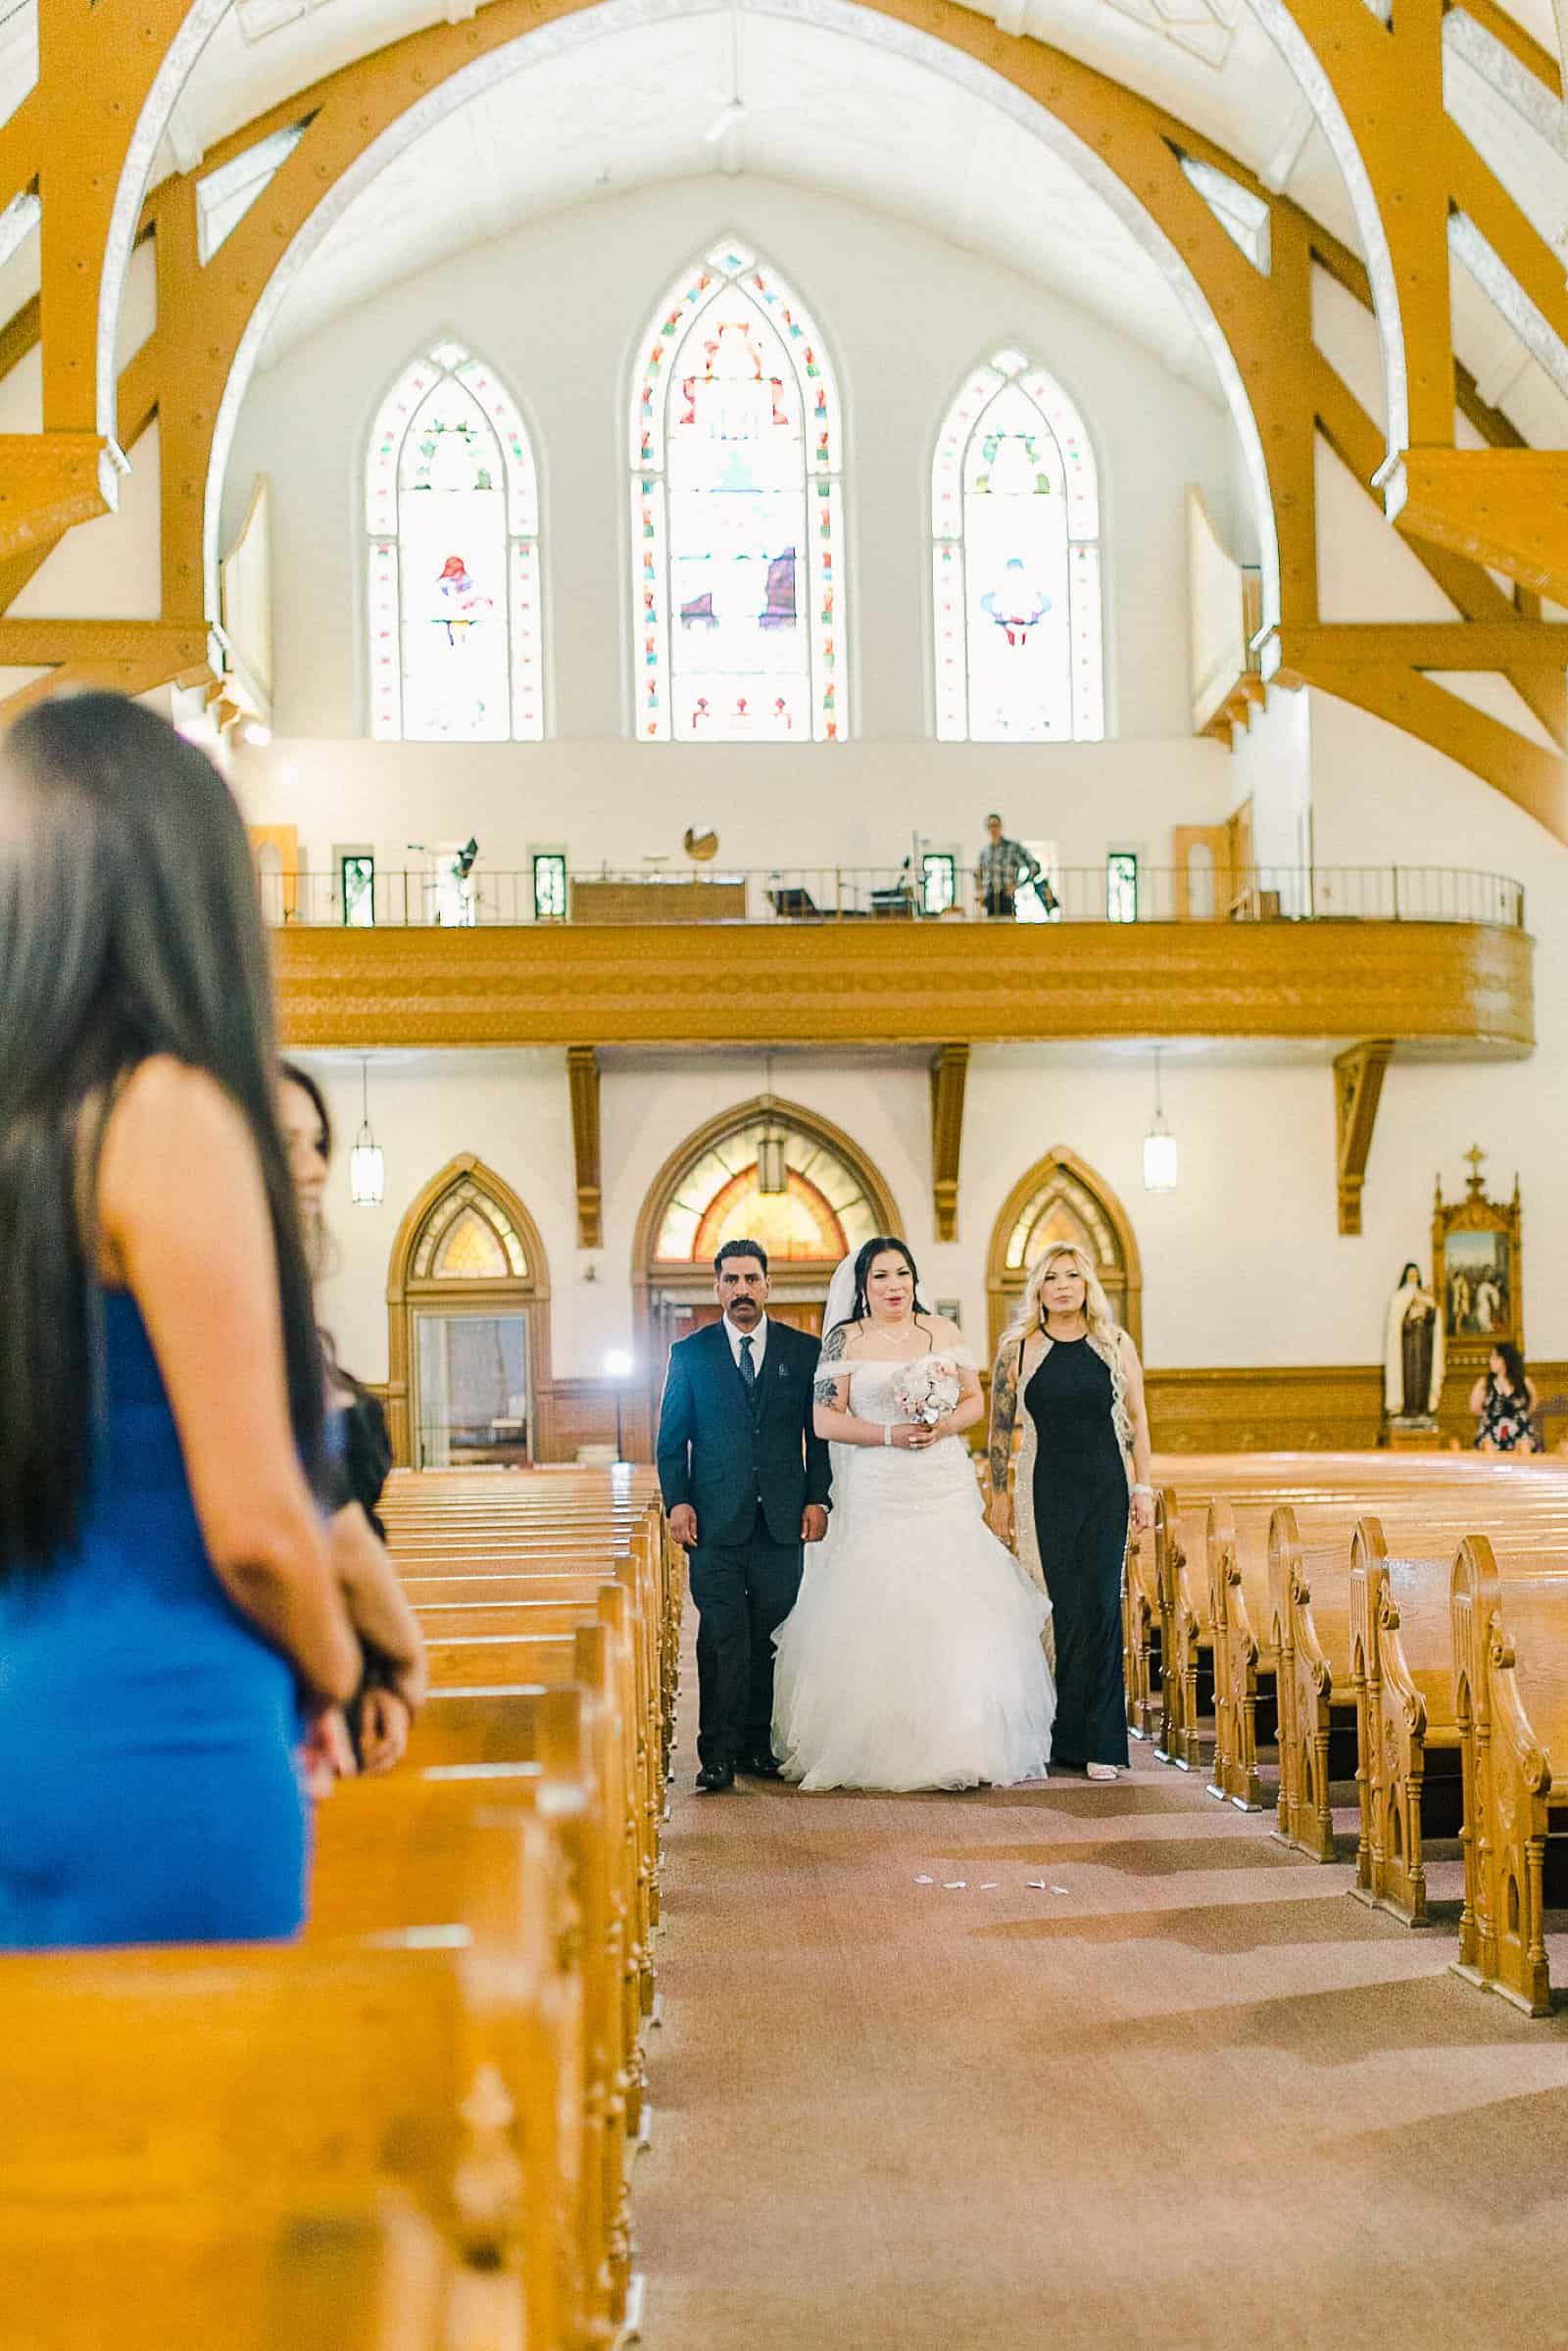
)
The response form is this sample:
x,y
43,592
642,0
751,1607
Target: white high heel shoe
x,y
1100,1771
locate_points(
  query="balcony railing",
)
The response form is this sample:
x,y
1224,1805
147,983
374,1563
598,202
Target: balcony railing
x,y
872,893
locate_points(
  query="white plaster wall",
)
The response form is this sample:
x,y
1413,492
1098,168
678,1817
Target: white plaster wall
x,y
1378,797
560,306
1271,763
615,802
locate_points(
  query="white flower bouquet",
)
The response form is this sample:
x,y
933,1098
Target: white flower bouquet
x,y
927,1390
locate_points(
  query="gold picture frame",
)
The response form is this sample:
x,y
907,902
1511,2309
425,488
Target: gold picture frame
x,y
1478,1269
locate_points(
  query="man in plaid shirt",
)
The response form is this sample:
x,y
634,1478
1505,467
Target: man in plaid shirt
x,y
1004,867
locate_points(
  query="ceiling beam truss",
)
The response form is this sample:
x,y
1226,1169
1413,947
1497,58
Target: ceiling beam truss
x,y
100,68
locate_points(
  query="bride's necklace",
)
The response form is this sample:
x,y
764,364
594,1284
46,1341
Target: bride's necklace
x,y
894,1337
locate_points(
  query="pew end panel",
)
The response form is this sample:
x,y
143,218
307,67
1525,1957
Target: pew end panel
x,y
1309,1606
1511,1696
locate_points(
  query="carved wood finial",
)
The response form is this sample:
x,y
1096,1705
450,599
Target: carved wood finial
x,y
1475,1159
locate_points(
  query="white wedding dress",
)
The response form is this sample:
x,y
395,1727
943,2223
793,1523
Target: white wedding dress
x,y
913,1657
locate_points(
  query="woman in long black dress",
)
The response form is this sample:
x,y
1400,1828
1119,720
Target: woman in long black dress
x,y
1084,1460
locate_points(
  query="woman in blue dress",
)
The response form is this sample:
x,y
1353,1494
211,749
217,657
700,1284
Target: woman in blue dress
x,y
169,1618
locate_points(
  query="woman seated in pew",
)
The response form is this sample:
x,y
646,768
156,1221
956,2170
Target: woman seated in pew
x,y
381,1713
169,1616
1503,1400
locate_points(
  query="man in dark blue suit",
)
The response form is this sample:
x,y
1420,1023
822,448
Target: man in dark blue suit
x,y
746,1483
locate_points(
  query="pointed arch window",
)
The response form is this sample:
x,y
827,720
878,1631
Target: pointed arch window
x,y
737,516
1015,563
452,515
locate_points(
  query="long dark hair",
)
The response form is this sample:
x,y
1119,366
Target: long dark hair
x,y
128,927
1513,1366
865,1257
293,1075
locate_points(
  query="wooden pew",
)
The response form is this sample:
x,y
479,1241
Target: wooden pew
x,y
1510,1654
1325,1712
145,2085
416,1853
1141,1643
480,1645
365,2274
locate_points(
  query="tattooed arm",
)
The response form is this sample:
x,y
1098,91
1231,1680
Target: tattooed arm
x,y
831,1416
1003,1415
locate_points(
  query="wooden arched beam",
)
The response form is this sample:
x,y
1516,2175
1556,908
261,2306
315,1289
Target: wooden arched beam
x,y
193,369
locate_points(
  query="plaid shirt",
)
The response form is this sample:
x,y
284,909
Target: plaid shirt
x,y
1003,865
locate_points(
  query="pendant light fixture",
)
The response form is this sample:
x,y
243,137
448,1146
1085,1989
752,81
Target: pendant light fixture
x,y
772,1175
1161,1158
367,1160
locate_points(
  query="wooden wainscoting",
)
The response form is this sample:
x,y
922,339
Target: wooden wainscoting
x,y
1300,1407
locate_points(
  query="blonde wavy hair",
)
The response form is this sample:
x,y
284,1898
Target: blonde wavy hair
x,y
1097,1306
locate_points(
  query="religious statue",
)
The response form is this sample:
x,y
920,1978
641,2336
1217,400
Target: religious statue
x,y
1412,1355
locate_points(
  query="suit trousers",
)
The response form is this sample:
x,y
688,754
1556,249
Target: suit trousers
x,y
742,1593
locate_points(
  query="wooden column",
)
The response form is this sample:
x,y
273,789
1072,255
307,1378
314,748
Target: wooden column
x,y
950,1069
582,1075
1358,1091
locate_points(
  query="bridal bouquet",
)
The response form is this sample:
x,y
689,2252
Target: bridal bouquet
x,y
927,1390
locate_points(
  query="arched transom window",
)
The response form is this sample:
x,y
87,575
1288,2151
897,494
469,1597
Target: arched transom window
x,y
452,512
820,1215
468,1237
1015,563
737,515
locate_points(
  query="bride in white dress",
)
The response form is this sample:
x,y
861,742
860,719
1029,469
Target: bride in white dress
x,y
913,1657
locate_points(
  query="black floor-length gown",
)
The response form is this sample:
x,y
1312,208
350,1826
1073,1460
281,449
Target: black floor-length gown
x,y
1080,1504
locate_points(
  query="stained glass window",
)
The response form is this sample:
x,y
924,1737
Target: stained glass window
x,y
821,1215
939,872
550,885
1015,563
737,517
357,875
1121,886
452,513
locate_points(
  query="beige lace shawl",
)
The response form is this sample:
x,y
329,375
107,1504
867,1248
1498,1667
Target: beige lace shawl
x,y
1036,1346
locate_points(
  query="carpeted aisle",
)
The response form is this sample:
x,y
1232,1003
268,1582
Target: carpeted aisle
x,y
1197,2096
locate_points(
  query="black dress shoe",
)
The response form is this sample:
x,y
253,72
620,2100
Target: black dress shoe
x,y
760,1767
715,1778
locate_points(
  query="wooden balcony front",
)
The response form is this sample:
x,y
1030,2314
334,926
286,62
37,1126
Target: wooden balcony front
x,y
1456,990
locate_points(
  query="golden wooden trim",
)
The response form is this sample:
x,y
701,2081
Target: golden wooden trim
x,y
1506,507
21,334
178,649
949,1068
49,480
1426,644
1005,1286
1466,989
70,137
1358,1091
1511,35
583,1078
1467,1354
404,1295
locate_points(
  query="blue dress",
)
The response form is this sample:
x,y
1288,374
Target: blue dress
x,y
149,1789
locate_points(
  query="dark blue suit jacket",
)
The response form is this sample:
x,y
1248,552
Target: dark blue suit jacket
x,y
714,1454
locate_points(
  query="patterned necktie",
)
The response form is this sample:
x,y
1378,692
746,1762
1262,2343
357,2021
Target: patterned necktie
x,y
749,1373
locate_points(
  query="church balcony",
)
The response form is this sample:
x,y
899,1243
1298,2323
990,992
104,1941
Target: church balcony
x,y
1434,960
